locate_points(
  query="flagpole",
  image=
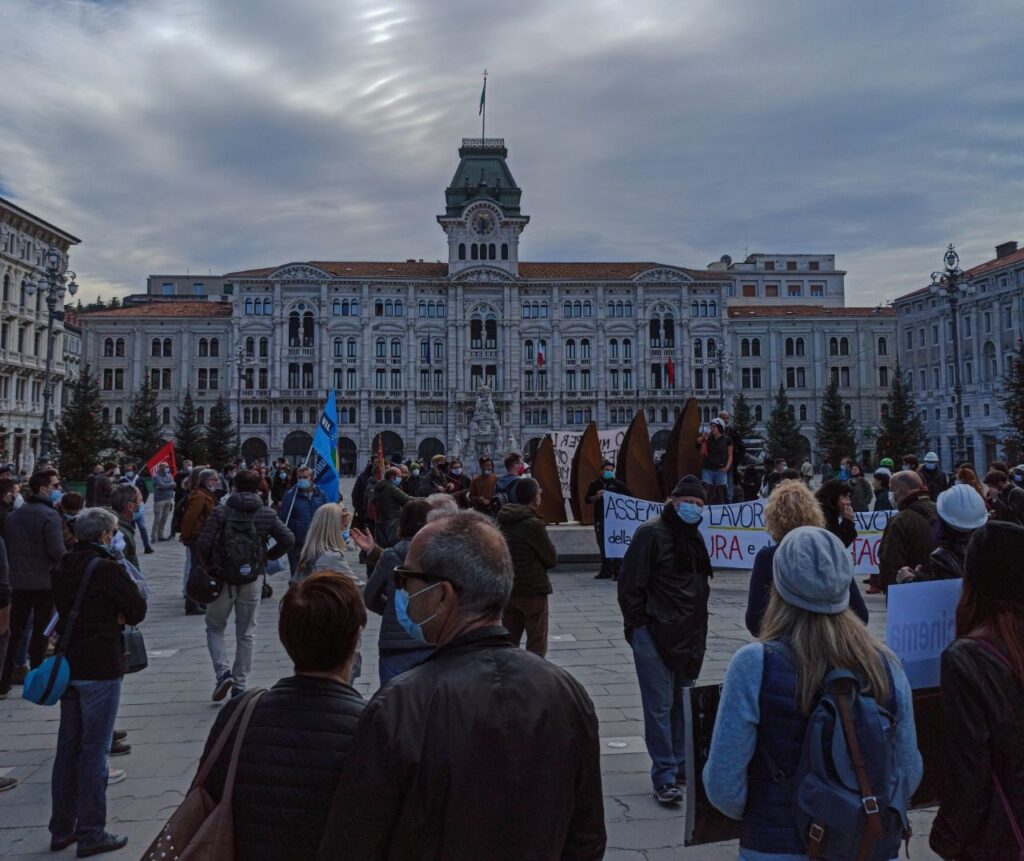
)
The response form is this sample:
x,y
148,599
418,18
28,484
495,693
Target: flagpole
x,y
305,462
483,110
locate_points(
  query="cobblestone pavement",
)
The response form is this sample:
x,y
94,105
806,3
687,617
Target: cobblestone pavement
x,y
167,712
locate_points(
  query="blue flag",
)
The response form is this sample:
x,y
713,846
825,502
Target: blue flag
x,y
325,451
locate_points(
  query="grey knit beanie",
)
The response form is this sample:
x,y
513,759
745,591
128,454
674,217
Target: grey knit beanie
x,y
812,570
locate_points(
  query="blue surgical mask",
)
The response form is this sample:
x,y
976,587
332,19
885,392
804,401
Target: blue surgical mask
x,y
345,534
607,475
413,629
929,466
397,480
457,471
117,543
690,512
55,496
303,483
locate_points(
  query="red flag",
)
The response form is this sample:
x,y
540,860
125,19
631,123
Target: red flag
x,y
670,369
380,457
540,355
164,455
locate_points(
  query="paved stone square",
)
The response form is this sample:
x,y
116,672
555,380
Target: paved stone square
x,y
167,712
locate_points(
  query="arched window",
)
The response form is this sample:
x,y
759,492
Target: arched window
x,y
790,349
528,350
567,309
299,415
266,307
988,363
627,348
108,347
154,347
803,412
885,411
833,346
883,347
336,307
355,307
346,308
307,329
389,308
711,348
698,348
585,349
165,416
504,251
396,348
474,251
351,348
399,308
119,347
378,308
248,307
462,251
610,311
629,309
106,415
577,309
668,325
758,413
264,348
339,348
201,415
712,309
247,416
695,308
118,416
847,411
204,347
381,351
378,413
613,348
250,347
844,346
7,287
570,348
800,346
286,416
755,347
492,252
654,328
422,309
745,346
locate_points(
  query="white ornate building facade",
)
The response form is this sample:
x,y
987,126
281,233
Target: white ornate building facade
x,y
408,344
24,238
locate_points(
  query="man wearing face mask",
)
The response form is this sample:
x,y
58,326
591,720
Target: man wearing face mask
x,y
433,770
481,488
605,482
298,507
279,481
125,503
663,593
388,499
934,478
35,543
163,501
131,477
440,482
458,481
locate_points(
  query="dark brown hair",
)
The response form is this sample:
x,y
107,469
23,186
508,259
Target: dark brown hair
x,y
320,620
413,517
41,477
1003,620
247,481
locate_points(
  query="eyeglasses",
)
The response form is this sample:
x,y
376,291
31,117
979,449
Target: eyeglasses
x,y
404,575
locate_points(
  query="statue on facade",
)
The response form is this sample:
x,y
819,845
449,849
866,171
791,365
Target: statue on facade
x,y
485,436
511,444
456,452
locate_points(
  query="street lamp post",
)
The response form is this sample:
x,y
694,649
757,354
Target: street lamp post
x,y
721,359
952,284
240,362
57,280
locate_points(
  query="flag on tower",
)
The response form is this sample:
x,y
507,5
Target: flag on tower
x,y
325,451
670,370
483,96
540,355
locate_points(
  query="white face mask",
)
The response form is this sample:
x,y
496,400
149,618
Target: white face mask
x,y
19,501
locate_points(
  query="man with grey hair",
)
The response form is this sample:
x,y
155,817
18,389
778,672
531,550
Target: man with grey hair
x,y
482,751
907,540
441,505
124,502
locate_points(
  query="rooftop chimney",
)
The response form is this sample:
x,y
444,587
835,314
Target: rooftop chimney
x,y
1005,249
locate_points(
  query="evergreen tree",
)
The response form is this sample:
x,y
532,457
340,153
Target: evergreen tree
x,y
1013,405
141,437
743,418
836,438
221,441
114,303
783,432
902,431
189,439
83,435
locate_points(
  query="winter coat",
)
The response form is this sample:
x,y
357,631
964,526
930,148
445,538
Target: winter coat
x,y
95,650
482,751
1009,504
481,489
533,554
935,480
5,577
389,500
379,596
127,530
883,501
983,726
946,562
860,494
267,523
298,737
35,543
907,539
664,585
163,487
197,509
331,560
609,485
299,517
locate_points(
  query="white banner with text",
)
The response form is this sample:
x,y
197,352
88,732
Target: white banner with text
x,y
733,533
566,443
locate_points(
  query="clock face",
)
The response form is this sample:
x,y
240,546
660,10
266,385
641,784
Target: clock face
x,y
483,223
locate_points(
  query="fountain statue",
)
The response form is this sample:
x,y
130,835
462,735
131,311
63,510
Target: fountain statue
x,y
456,452
485,436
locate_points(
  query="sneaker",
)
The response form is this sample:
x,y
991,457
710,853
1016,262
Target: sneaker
x,y
224,684
62,844
120,734
107,843
115,775
237,692
120,748
149,550
668,794
8,783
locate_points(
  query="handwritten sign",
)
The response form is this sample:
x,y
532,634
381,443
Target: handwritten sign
x,y
921,622
733,533
566,443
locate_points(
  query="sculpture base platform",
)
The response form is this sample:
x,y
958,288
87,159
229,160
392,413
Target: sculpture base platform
x,y
575,543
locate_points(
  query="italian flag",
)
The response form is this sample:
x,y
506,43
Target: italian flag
x,y
540,355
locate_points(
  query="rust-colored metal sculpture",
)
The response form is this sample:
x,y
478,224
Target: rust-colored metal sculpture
x,y
682,457
586,467
544,469
635,466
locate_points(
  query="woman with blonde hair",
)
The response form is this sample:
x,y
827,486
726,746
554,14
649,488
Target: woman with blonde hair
x,y
790,506
771,688
326,543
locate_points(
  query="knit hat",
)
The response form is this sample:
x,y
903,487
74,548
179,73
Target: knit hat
x,y
962,507
812,570
992,565
689,485
887,461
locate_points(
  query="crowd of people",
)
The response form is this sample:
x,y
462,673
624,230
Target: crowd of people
x,y
475,747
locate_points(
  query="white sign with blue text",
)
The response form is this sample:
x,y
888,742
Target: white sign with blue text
x,y
921,622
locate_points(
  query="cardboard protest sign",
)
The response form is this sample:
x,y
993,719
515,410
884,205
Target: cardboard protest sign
x,y
565,443
921,622
733,533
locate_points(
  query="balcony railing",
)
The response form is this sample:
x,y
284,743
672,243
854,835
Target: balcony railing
x,y
299,352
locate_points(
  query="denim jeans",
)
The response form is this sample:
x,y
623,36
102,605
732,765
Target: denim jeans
x,y
245,601
140,521
661,695
389,666
79,783
162,511
188,567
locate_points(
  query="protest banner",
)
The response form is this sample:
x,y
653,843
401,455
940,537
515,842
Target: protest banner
x,y
565,443
921,622
733,533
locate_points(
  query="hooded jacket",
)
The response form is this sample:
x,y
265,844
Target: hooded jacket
x,y
35,543
532,552
664,586
267,523
389,499
907,539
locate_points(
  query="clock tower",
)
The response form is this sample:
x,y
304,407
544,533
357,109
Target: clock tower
x,y
482,218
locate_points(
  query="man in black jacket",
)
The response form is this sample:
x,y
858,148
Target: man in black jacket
x,y
481,751
663,593
606,482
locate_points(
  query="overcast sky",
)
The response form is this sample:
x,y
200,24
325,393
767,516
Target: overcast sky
x,y
227,134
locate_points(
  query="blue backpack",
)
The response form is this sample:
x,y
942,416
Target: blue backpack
x,y
850,801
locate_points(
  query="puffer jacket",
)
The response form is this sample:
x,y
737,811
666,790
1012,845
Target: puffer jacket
x,y
664,586
860,493
297,740
379,596
268,525
907,539
946,562
983,725
35,543
533,554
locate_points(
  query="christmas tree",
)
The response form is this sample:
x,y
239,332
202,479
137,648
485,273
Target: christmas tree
x,y
141,437
83,434
835,431
783,432
221,441
189,439
902,431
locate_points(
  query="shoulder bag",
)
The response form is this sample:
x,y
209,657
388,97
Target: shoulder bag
x,y
202,829
45,685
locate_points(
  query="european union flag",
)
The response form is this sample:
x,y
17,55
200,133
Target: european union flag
x,y
325,451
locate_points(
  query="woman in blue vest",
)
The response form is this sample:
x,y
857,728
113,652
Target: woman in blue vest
x,y
772,686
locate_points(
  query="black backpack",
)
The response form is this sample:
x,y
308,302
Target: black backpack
x,y
239,554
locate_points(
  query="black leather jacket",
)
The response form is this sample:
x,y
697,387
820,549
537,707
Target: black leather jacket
x,y
983,722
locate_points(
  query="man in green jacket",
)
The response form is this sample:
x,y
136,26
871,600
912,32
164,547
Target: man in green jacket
x,y
533,555
388,500
124,502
